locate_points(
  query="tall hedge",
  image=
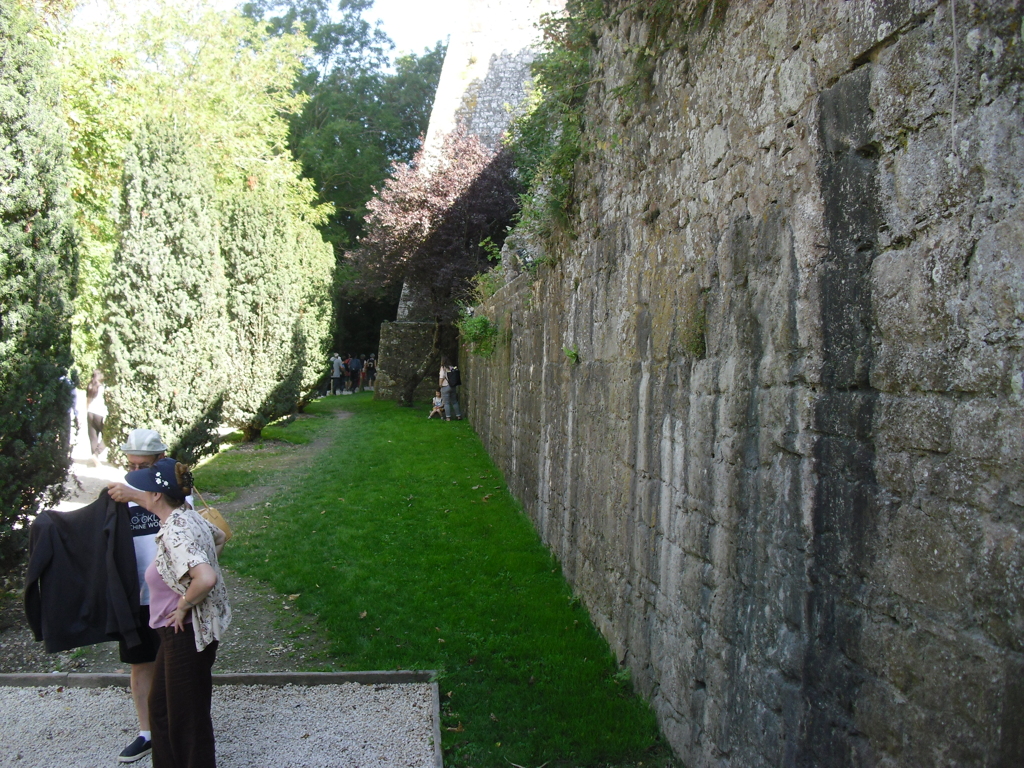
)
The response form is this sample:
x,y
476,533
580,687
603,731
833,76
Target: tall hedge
x,y
314,326
262,304
165,338
37,275
279,275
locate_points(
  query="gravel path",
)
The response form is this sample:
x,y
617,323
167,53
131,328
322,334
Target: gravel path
x,y
352,725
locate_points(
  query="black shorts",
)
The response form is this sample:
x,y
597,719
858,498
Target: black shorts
x,y
146,652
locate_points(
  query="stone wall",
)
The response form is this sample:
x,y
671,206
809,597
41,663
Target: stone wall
x,y
785,474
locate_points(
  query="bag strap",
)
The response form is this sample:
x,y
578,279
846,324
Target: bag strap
x,y
197,493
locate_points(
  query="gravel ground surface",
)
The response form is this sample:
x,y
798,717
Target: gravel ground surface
x,y
352,725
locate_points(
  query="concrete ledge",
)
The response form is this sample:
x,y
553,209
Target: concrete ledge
x,y
110,680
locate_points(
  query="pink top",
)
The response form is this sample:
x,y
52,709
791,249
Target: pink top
x,y
163,600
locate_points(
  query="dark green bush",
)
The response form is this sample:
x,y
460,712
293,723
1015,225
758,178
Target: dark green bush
x,y
166,336
37,275
262,306
479,334
314,325
276,273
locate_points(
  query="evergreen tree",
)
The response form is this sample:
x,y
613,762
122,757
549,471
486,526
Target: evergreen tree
x,y
313,327
165,341
37,276
266,292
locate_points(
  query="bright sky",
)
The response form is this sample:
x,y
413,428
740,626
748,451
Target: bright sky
x,y
412,24
415,24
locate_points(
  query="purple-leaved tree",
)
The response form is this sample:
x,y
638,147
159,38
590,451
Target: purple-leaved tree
x,y
426,226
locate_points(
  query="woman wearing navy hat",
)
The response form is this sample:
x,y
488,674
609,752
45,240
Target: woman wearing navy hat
x,y
189,609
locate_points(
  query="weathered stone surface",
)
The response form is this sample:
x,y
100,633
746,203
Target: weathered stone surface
x,y
403,345
786,473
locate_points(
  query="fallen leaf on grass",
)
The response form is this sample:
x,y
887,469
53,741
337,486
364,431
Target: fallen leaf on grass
x,y
323,511
495,719
475,487
362,615
487,497
294,597
456,729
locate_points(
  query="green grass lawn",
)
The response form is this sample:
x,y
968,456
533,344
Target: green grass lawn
x,y
401,538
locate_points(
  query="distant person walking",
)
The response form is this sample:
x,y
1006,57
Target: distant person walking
x,y
448,382
355,365
95,414
337,365
370,370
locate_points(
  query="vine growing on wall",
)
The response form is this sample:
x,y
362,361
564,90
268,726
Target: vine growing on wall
x,y
550,136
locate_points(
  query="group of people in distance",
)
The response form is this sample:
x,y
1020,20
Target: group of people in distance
x,y
183,603
352,373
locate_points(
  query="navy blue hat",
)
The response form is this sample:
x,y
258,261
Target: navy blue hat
x,y
160,478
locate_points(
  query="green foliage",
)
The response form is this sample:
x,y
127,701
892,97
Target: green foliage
x,y
549,135
486,284
354,127
165,351
266,297
37,274
361,118
219,74
479,333
423,560
572,354
313,327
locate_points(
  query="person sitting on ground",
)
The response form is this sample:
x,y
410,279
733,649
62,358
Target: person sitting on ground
x,y
189,610
438,406
142,449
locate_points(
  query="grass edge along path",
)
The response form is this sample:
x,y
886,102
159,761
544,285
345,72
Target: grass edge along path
x,y
402,539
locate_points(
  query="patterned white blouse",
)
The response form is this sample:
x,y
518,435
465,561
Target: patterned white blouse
x,y
185,540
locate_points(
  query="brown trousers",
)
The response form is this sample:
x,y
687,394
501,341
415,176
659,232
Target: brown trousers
x,y
179,704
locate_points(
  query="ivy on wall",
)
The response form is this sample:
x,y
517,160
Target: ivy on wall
x,y
550,136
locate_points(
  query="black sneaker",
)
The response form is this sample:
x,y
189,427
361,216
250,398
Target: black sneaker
x,y
137,750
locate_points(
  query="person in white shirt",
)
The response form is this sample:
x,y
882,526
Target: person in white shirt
x,y
142,450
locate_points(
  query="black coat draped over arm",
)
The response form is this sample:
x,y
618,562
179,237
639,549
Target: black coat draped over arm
x,y
82,586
